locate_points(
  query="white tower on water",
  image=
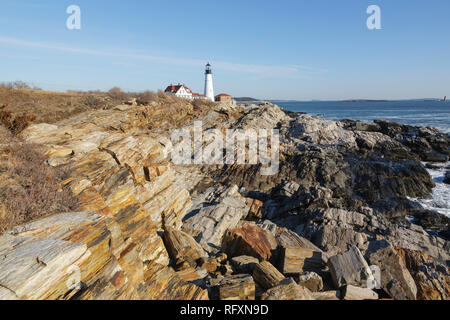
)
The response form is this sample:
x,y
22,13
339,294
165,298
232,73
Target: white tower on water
x,y
209,90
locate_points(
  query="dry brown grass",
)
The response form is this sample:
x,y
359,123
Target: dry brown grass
x,y
29,188
50,106
24,104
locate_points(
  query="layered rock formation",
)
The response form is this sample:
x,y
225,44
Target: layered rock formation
x,y
150,229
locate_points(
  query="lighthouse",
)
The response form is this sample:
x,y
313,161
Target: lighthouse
x,y
209,90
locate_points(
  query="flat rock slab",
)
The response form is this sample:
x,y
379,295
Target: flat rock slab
x,y
327,295
296,260
209,222
349,268
356,293
287,289
310,280
244,264
31,268
236,287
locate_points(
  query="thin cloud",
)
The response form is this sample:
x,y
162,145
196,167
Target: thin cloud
x,y
263,70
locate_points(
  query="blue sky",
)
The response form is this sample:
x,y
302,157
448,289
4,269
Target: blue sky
x,y
285,49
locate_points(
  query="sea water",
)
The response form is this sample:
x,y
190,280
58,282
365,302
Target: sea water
x,y
412,112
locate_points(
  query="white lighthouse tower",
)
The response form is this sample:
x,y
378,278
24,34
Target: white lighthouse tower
x,y
209,90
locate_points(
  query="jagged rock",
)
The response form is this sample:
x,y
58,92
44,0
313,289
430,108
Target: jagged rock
x,y
296,260
329,236
266,275
339,185
256,209
349,268
339,217
432,279
247,240
310,280
360,125
192,274
319,131
244,264
357,293
38,268
327,295
226,269
209,223
162,283
380,142
237,287
287,289
210,264
264,117
381,179
417,239
288,239
182,247
395,278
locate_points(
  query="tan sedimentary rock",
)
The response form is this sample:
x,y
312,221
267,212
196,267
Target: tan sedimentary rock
x,y
431,284
296,260
310,280
127,191
395,277
244,264
236,287
163,283
327,295
266,275
287,289
357,293
182,247
247,240
255,211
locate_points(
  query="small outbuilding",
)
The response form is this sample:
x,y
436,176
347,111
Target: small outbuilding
x,y
223,97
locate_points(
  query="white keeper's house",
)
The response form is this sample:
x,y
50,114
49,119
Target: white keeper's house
x,y
182,91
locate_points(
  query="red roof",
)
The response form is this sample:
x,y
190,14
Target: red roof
x,y
173,89
223,95
198,94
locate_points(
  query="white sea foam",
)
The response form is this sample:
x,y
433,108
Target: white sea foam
x,y
440,200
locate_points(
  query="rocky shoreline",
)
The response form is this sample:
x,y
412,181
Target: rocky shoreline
x,y
149,229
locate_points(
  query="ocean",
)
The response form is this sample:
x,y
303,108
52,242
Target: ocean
x,y
412,112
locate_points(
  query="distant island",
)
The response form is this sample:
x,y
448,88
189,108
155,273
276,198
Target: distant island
x,y
246,99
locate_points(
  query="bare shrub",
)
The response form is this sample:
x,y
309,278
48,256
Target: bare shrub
x,y
202,103
29,188
117,94
15,123
93,102
146,97
17,85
